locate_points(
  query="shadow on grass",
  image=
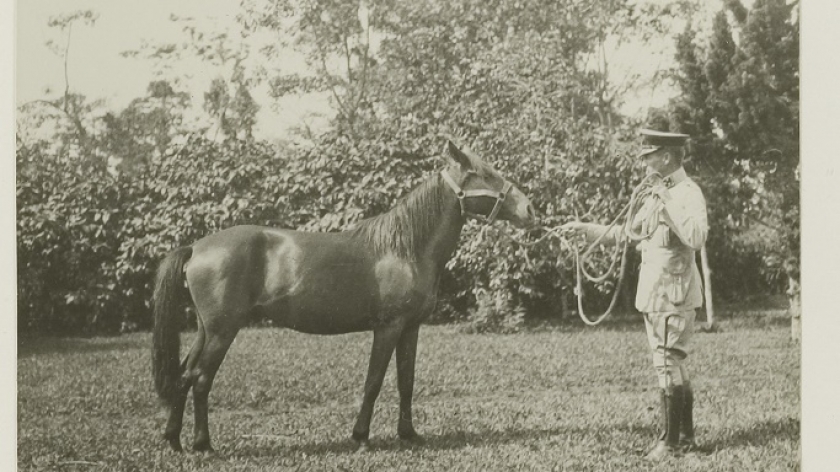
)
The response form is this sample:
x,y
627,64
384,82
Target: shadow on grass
x,y
757,435
634,322
448,441
38,346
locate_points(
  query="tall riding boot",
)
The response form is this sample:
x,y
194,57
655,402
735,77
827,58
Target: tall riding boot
x,y
687,442
669,438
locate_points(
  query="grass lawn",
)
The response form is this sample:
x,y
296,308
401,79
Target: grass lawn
x,y
572,399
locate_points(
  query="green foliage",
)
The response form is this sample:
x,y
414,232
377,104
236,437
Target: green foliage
x,y
740,103
145,127
89,241
65,231
515,87
513,80
235,113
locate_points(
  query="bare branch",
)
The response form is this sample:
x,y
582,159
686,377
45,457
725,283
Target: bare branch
x,y
66,75
323,57
366,58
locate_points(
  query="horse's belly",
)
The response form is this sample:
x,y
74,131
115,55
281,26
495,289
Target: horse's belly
x,y
335,291
325,309
345,309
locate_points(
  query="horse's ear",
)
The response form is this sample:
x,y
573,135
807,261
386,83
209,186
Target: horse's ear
x,y
458,156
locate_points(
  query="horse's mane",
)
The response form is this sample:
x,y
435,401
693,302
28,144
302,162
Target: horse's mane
x,y
405,229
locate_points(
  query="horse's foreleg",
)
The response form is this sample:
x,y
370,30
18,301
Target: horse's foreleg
x,y
211,358
406,356
384,341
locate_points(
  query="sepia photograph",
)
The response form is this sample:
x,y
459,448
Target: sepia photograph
x,y
421,235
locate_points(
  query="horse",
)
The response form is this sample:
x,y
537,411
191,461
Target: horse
x,y
381,275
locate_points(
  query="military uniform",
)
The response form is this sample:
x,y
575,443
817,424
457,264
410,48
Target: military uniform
x,y
669,288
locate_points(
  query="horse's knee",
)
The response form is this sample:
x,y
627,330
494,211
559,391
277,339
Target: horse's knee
x,y
185,382
201,385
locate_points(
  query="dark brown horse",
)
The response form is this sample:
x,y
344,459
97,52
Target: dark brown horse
x,y
382,276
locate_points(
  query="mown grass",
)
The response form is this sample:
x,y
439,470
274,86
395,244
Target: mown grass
x,y
560,399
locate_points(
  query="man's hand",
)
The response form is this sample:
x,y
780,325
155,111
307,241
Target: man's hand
x,y
588,231
661,191
574,227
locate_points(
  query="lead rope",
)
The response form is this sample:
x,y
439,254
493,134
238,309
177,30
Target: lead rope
x,y
637,198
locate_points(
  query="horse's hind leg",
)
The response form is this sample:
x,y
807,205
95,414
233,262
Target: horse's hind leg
x,y
384,341
174,425
215,349
172,434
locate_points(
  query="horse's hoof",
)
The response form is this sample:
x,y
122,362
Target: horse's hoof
x,y
362,447
205,449
412,438
174,444
409,434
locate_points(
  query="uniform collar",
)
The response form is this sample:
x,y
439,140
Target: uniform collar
x,y
675,177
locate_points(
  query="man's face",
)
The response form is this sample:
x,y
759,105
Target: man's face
x,y
656,160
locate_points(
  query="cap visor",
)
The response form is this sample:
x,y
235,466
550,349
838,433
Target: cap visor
x,y
646,151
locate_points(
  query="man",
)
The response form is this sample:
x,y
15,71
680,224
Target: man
x,y
674,225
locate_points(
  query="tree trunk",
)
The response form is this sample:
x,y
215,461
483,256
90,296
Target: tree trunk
x,y
707,284
795,309
564,305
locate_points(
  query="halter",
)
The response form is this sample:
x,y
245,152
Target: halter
x,y
464,194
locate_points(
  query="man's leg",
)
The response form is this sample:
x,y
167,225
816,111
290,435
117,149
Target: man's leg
x,y
668,335
687,442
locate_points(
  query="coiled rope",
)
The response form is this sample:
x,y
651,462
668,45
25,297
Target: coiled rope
x,y
629,212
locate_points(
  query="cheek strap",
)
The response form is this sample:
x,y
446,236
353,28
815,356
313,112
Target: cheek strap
x,y
464,194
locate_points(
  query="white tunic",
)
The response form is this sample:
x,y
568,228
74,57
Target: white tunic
x,y
668,278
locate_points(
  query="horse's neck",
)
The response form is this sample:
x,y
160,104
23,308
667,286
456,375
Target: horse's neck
x,y
443,241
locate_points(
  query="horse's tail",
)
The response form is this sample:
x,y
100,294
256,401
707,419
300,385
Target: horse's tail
x,y
166,337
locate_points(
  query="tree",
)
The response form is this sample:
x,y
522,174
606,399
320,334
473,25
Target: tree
x,y
72,112
519,81
338,40
228,99
740,99
65,23
146,127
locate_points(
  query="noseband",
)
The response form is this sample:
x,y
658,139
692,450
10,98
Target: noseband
x,y
465,194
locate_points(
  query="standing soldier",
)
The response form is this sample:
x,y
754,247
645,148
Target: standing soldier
x,y
673,218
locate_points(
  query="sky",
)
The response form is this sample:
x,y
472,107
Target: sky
x,y
97,70
96,67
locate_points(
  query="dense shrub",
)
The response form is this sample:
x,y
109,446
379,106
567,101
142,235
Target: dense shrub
x,y
89,241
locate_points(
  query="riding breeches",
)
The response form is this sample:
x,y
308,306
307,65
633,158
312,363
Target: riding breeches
x,y
668,335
